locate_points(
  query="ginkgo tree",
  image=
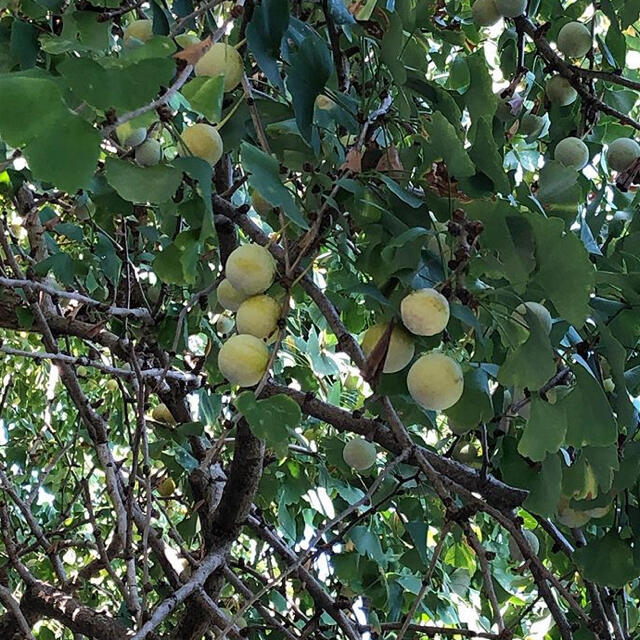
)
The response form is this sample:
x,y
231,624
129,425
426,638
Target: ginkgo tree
x,y
319,319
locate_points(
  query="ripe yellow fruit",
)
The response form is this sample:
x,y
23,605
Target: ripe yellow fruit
x,y
559,91
203,141
229,297
167,487
514,549
401,347
574,40
435,381
222,60
425,312
112,385
572,153
622,153
243,360
161,413
541,313
258,316
359,454
138,30
129,135
260,204
149,153
485,13
511,8
250,269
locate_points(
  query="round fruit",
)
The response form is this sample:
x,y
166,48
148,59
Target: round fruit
x,y
250,269
149,153
572,153
229,297
203,141
82,371
559,91
243,360
359,454
185,40
224,325
435,381
161,413
425,312
222,60
514,549
531,124
258,316
141,30
622,153
511,8
129,135
609,385
485,13
260,204
167,487
466,453
540,312
401,347
112,385
574,40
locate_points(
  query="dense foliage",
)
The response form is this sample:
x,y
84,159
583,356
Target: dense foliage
x,y
319,319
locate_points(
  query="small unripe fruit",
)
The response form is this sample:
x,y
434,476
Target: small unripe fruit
x,y
250,269
622,153
485,13
531,125
222,59
203,141
149,153
258,316
560,92
401,347
359,454
574,40
167,487
82,371
467,453
608,385
511,8
514,549
425,312
129,135
112,385
141,30
540,311
229,297
260,204
572,153
243,360
224,325
435,381
161,413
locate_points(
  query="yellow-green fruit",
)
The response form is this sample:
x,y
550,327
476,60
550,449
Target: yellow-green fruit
x,y
258,316
359,454
540,312
559,91
511,8
243,360
149,153
167,487
250,269
425,312
138,30
161,413
224,325
222,59
82,371
435,381
129,135
467,453
401,347
185,40
572,153
229,297
574,40
622,153
608,385
203,141
485,13
112,385
514,549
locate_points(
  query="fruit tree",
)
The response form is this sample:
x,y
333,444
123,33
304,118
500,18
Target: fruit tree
x,y
319,319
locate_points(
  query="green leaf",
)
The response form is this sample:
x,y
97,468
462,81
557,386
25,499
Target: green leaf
x,y
404,195
339,13
608,561
205,96
589,415
484,153
448,146
439,99
544,432
310,69
418,532
475,405
367,543
177,262
479,97
265,179
202,171
142,184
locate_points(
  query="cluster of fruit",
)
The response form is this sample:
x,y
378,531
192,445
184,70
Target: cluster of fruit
x,y
574,40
